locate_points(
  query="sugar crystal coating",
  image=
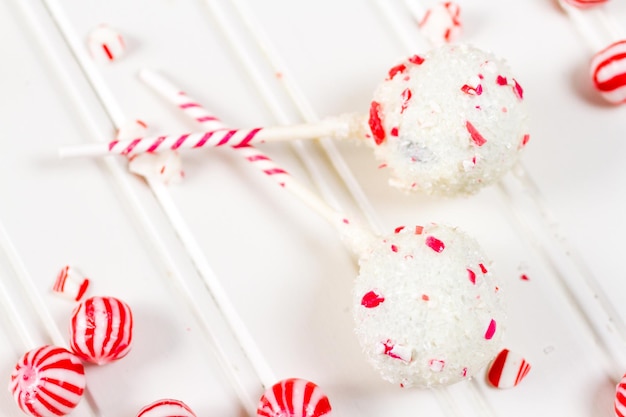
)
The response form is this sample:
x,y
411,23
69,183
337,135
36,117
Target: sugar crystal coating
x,y
441,316
448,122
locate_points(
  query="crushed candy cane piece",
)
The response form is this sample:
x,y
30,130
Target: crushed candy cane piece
x,y
106,44
164,166
507,369
70,283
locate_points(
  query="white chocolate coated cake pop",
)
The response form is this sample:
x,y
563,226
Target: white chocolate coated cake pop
x,y
428,311
448,122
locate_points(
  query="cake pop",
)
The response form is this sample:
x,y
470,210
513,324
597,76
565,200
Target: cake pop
x,y
449,122
427,308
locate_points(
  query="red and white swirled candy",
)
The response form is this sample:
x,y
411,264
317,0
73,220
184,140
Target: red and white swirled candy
x,y
507,369
620,398
608,71
166,408
48,382
101,330
294,397
584,4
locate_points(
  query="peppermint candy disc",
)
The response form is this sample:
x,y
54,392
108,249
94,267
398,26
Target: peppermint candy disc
x,y
608,72
507,369
48,382
166,408
620,398
294,397
101,330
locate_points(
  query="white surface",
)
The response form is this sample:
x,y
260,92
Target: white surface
x,y
282,271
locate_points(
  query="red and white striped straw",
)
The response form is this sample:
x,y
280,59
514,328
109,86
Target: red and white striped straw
x,y
341,127
353,234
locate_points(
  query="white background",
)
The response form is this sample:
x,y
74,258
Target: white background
x,y
278,304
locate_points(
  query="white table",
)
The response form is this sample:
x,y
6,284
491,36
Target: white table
x,y
281,299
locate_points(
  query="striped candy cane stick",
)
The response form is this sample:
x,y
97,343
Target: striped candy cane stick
x,y
341,127
353,234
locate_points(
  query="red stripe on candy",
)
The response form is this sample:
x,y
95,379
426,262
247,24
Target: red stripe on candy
x,y
249,137
203,140
155,145
495,371
107,51
180,141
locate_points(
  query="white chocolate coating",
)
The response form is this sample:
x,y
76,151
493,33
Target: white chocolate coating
x,y
428,310
448,122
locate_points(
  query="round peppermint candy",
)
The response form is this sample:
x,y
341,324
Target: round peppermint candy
x,y
294,397
48,382
101,330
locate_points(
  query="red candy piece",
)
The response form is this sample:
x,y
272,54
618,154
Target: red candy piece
x,y
294,397
376,124
435,244
371,299
48,382
608,72
166,408
507,369
101,330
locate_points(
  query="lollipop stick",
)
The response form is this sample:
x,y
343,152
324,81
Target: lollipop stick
x,y
354,235
340,127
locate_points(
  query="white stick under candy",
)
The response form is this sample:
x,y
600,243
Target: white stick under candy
x,y
435,275
478,107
